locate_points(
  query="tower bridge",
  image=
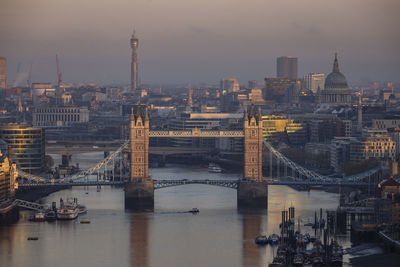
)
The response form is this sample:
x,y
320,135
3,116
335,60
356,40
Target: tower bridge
x,y
251,191
252,188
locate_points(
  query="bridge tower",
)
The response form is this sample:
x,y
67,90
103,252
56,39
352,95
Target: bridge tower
x,y
139,191
252,191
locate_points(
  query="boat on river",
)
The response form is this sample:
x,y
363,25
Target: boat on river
x,y
214,168
261,240
68,210
38,217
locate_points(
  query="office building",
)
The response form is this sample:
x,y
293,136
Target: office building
x,y
342,149
3,72
27,145
286,67
229,85
313,81
206,121
60,116
276,88
252,84
274,127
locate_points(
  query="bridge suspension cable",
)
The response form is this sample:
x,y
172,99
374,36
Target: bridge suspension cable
x,y
314,176
79,175
98,166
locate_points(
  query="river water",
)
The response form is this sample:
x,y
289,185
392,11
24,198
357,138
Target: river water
x,y
219,235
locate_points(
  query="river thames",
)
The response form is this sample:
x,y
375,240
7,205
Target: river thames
x,y
220,235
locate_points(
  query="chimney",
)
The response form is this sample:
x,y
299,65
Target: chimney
x,y
395,168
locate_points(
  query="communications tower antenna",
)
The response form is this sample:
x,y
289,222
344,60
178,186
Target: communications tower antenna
x,y
59,76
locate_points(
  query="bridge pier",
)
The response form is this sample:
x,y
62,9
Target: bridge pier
x,y
252,194
139,196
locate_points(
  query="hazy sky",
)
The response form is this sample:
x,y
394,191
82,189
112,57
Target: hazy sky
x,y
196,41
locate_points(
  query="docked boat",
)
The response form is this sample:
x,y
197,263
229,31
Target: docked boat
x,y
214,168
68,210
298,260
261,240
274,239
82,209
38,217
50,215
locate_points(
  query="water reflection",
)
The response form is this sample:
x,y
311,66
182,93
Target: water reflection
x,y
139,233
251,227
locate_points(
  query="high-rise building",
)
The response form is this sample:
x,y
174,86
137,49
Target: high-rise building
x,y
313,81
134,64
286,67
3,72
252,84
275,88
229,85
27,145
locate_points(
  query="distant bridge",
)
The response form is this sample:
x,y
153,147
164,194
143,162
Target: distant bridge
x,y
73,148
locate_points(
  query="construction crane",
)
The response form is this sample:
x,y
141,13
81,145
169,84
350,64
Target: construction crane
x,y
28,81
59,77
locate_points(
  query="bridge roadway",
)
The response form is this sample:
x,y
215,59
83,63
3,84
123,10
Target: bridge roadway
x,y
158,184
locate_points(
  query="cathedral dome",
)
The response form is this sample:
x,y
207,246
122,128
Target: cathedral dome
x,y
336,80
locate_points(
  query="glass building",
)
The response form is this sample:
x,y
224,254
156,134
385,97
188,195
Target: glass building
x,y
27,145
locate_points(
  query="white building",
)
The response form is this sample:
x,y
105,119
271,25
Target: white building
x,y
60,116
314,80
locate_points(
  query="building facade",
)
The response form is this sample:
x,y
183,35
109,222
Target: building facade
x,y
342,150
336,91
27,145
385,123
276,88
229,85
206,121
273,127
3,72
8,174
286,67
313,81
59,116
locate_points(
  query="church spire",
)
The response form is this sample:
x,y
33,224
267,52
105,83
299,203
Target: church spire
x,y
335,64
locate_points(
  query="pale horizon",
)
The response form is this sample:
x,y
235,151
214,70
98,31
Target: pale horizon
x,y
199,41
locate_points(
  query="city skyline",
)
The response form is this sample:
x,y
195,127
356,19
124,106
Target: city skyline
x,y
202,46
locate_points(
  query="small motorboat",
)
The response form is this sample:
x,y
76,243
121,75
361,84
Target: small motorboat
x,y
214,168
33,238
261,240
38,217
85,222
194,210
